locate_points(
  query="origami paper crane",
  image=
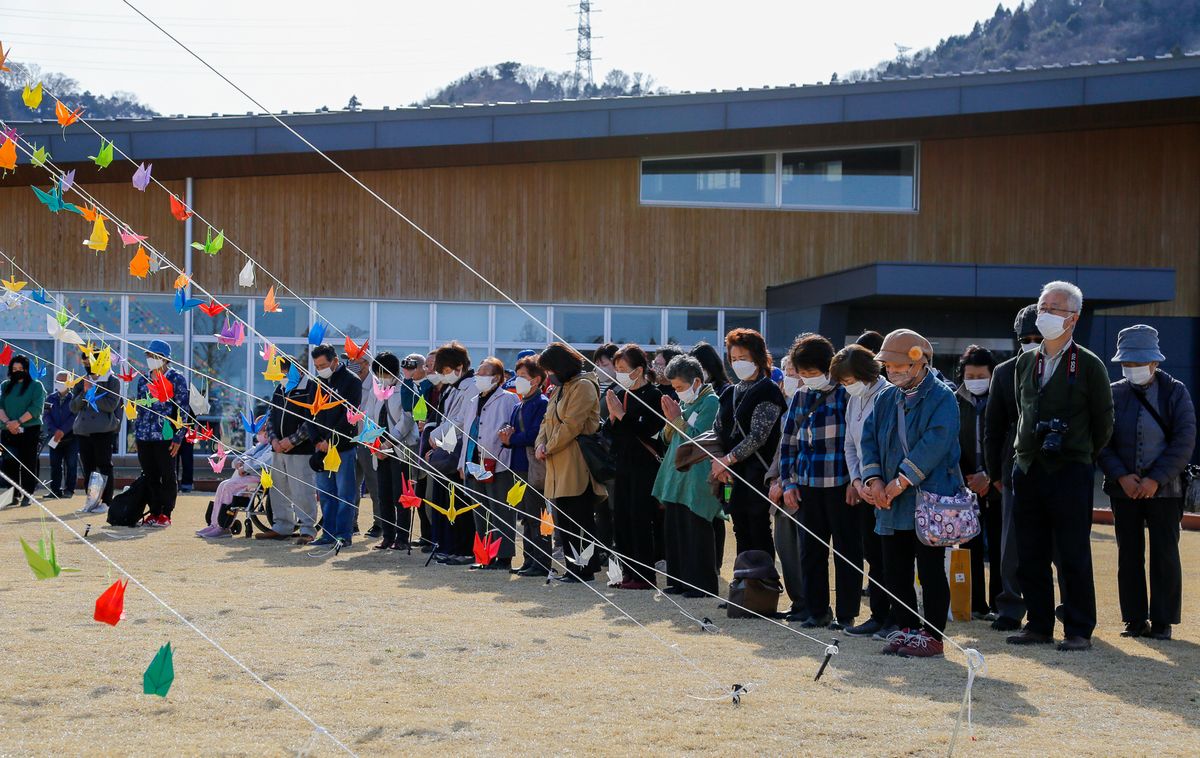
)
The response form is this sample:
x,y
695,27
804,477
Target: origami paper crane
x,y
160,673
181,281
615,574
32,97
65,116
104,156
333,459
265,480
39,157
217,460
320,402
211,245
246,275
144,402
198,401
582,559
213,309
546,525
316,335
202,434
185,303
252,428
274,372
352,416
420,410
293,378
8,155
130,411
54,200
67,181
62,317
408,493
89,213
516,494
381,392
269,303
268,352
90,396
168,431
141,177
6,355
99,239
102,362
3,56
128,238
139,265
13,285
126,377
59,332
110,606
161,388
44,561
40,296
179,210
355,352
486,549
371,432
479,471
449,441
452,512
232,335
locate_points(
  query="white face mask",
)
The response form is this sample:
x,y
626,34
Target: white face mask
x,y
977,387
689,394
452,377
60,386
1137,374
522,386
790,385
854,389
154,364
325,373
1029,346
1050,325
816,383
434,379
744,369
624,379
484,383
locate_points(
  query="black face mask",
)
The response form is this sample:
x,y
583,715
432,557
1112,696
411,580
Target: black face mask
x,y
16,375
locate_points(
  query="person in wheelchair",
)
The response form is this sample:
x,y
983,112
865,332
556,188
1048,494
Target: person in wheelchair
x,y
247,468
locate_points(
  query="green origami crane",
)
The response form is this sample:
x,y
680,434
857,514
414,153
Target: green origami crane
x,y
44,560
168,431
420,411
210,245
39,157
160,673
62,317
105,157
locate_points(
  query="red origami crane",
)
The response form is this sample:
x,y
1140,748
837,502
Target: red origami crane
x,y
408,493
127,377
213,308
110,606
486,549
179,210
161,388
353,351
6,355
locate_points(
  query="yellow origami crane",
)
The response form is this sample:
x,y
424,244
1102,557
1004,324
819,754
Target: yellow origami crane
x,y
12,285
333,459
516,494
72,380
130,411
451,512
274,372
99,239
32,97
265,480
102,362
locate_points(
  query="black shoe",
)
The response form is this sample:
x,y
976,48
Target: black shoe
x,y
460,560
524,567
1160,632
865,629
1136,629
426,549
537,571
814,622
69,494
672,589
1006,624
1029,637
373,532
800,615
500,564
185,488
1071,644
694,594
385,545
57,494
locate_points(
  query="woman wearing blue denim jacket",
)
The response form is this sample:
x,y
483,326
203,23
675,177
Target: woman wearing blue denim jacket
x,y
892,477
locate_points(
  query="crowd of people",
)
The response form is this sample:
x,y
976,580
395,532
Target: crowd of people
x,y
647,459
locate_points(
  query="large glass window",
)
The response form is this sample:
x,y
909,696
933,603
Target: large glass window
x,y
402,321
717,180
290,321
462,322
579,325
229,366
97,311
155,314
350,316
880,178
639,325
691,326
27,317
512,325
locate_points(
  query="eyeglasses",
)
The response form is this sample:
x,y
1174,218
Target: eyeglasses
x,y
1048,309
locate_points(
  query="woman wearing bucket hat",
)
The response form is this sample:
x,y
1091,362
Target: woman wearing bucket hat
x,y
1154,434
895,462
155,433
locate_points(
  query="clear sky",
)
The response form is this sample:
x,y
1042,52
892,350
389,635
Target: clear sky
x,y
301,55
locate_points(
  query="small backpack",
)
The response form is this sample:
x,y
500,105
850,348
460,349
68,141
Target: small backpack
x,y
129,505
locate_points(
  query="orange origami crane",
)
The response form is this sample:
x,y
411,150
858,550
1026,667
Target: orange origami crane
x,y
269,304
139,266
110,606
3,56
353,351
65,116
90,214
320,402
8,155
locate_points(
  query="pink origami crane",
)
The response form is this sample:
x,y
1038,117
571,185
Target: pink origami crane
x,y
381,392
232,335
217,459
128,237
353,416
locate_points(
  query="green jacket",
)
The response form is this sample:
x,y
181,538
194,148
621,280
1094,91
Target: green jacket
x,y
1085,404
18,401
689,488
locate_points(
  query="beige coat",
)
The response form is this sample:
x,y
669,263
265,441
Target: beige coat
x,y
574,409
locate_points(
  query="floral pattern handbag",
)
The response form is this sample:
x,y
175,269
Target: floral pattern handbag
x,y
942,520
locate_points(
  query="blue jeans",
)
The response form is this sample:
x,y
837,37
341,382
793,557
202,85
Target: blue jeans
x,y
338,495
64,456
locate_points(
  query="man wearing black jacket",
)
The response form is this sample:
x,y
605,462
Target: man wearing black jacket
x,y
1000,431
293,496
332,431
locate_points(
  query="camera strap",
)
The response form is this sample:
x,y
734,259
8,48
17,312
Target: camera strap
x,y
1072,364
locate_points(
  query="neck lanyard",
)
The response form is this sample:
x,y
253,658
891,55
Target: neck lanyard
x,y
1072,364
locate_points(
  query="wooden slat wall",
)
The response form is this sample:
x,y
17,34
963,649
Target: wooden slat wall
x,y
573,231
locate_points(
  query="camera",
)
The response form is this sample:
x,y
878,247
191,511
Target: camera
x,y
1051,434
411,363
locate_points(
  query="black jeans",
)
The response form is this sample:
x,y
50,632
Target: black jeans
x,y
576,515
1161,517
750,511
95,454
899,551
185,463
158,467
395,521
879,600
823,511
1053,510
21,458
64,465
633,513
690,545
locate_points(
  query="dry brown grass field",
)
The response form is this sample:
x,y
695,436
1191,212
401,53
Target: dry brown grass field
x,y
396,658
